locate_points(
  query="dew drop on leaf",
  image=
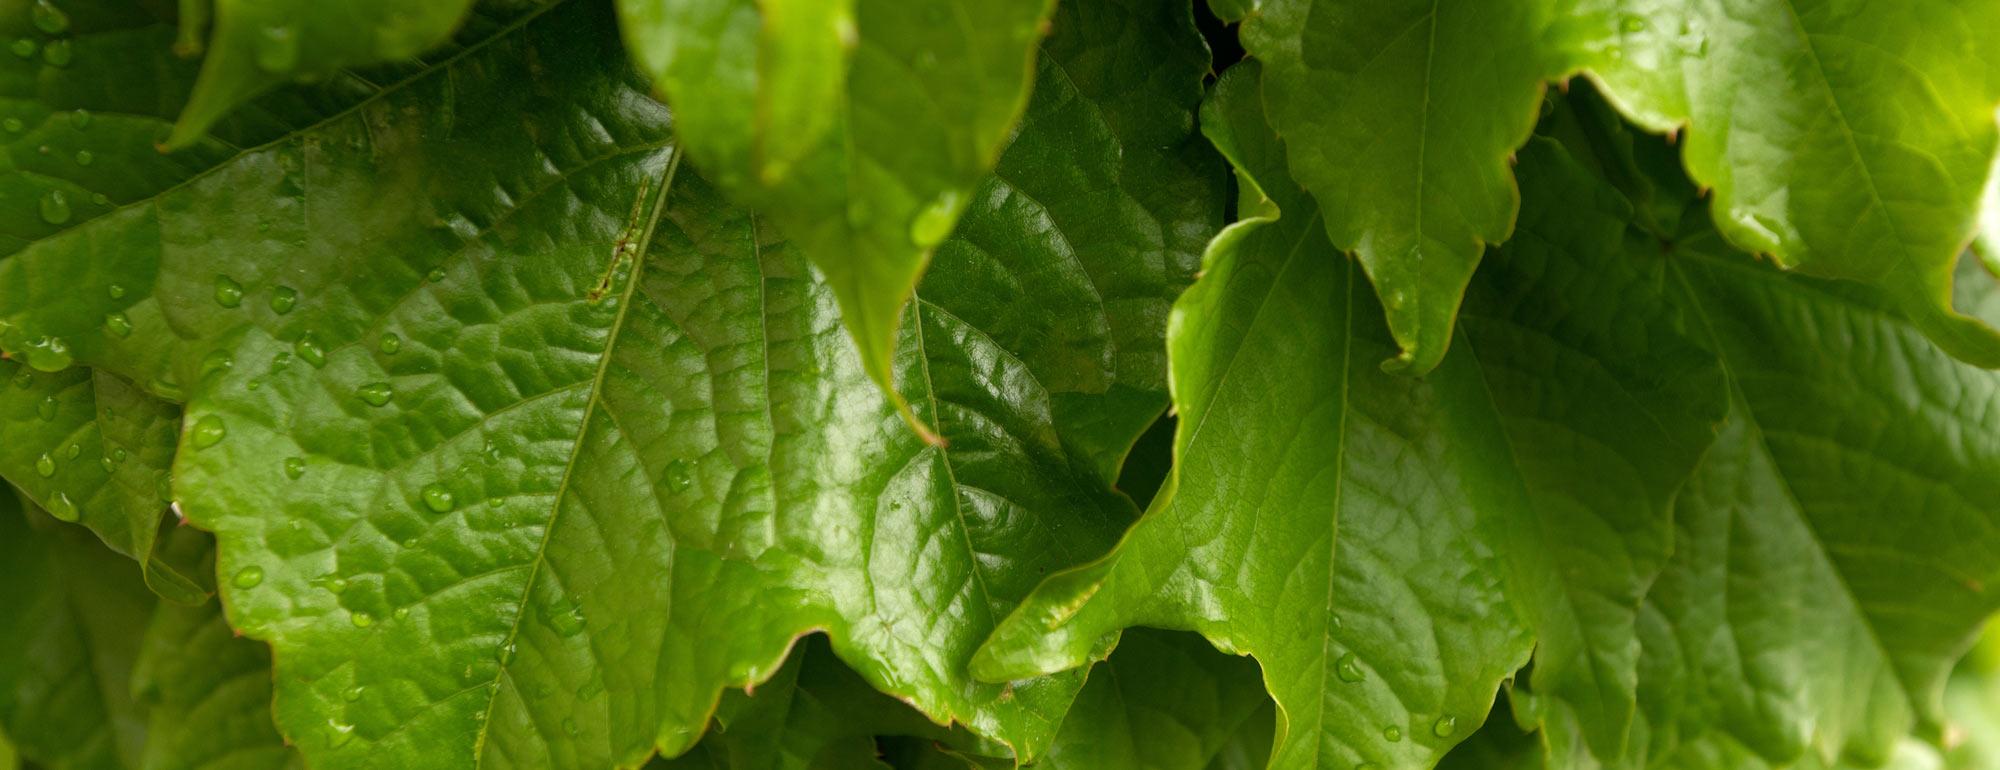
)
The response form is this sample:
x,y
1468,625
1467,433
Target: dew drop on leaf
x,y
283,299
118,325
84,158
1631,24
116,291
505,653
248,577
58,53
436,275
23,47
309,349
118,455
216,362
62,508
934,221
55,207
107,464
338,733
1348,668
389,344
13,125
48,18
679,475
351,694
1445,726
295,467
361,619
46,409
1392,733
278,49
45,465
439,499
80,119
376,393
228,293
207,432
74,451
400,613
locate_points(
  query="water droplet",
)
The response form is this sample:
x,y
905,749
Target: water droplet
x,y
376,393
55,207
295,467
332,583
254,383
116,291
505,653
400,613
47,409
934,221
496,502
24,379
283,299
338,733
84,158
119,454
278,49
1349,668
74,451
48,18
118,325
23,47
1445,726
63,509
566,620
48,354
79,118
167,389
216,362
309,349
436,275
361,619
389,344
679,475
45,465
570,726
107,464
228,293
207,432
58,53
1392,733
1632,24
439,499
13,125
351,694
248,577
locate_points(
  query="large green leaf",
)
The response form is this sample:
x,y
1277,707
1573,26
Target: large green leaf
x,y
569,441
93,449
1371,538
860,127
1847,139
99,675
258,44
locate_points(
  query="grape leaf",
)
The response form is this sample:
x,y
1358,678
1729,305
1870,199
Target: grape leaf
x,y
1371,538
258,44
102,676
590,440
93,449
860,127
1847,140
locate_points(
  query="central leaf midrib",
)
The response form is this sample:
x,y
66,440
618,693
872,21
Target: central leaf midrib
x,y
633,276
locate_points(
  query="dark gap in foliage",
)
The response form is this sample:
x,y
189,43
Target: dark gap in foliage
x,y
1147,465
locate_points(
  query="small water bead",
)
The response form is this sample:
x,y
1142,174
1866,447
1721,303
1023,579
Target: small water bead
x,y
207,432
352,694
23,47
679,475
1632,24
55,207
58,53
283,299
361,619
295,467
309,350
47,409
333,583
570,726
376,393
24,379
119,454
435,276
1445,726
1392,733
84,158
216,362
1349,668
167,389
400,613
389,344
254,383
438,499
118,325
13,125
45,465
63,509
79,118
107,464
248,577
74,451
505,653
116,291
49,354
48,18
338,733
228,293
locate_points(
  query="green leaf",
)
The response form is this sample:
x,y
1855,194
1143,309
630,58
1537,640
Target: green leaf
x,y
1370,538
259,44
99,675
615,456
70,616
1163,702
1848,142
861,127
90,448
